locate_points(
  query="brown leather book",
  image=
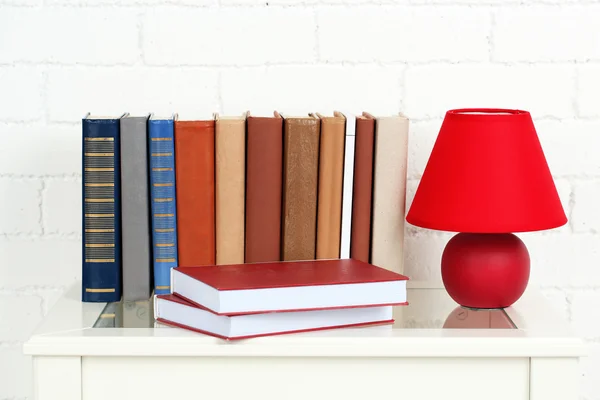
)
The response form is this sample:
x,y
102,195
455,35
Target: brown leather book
x,y
195,186
230,169
300,179
263,188
362,191
331,176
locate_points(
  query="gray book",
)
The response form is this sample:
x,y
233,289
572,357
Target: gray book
x,y
135,210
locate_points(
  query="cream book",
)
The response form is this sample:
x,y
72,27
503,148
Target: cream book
x,y
389,192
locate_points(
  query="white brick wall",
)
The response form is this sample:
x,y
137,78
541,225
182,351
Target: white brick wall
x,y
60,59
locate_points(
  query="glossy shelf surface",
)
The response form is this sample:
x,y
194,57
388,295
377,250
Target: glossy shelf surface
x,y
427,309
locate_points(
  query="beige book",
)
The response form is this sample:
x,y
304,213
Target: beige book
x,y
230,159
331,176
389,192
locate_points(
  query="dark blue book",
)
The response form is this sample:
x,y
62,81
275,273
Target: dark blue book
x,y
101,264
163,201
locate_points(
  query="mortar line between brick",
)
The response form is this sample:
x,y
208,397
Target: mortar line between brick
x,y
242,4
42,305
402,83
10,343
571,206
45,102
140,28
491,35
576,89
317,49
41,204
220,90
347,63
32,290
569,301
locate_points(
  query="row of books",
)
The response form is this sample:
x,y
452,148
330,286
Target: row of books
x,y
251,300
162,192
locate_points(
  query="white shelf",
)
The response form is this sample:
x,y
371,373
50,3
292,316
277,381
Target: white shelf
x,y
418,332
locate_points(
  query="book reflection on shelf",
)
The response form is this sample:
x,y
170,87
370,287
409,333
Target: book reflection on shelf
x,y
126,314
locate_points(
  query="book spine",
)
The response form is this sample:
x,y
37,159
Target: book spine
x,y
230,158
263,189
163,203
360,248
101,230
135,207
330,185
350,136
195,175
300,181
389,193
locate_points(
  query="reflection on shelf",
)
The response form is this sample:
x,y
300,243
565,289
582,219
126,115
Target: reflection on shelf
x,y
427,309
127,314
465,318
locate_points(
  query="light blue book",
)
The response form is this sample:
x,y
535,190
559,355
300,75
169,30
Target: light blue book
x,y
163,204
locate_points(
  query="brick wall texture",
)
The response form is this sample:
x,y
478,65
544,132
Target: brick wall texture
x,y
60,59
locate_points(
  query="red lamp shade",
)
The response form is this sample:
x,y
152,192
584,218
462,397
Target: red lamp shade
x,y
487,173
486,178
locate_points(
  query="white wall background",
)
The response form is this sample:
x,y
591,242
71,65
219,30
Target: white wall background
x,y
62,58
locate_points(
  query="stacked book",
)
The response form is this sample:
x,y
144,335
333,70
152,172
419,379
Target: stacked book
x,y
161,192
250,300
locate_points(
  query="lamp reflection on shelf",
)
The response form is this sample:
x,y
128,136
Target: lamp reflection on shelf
x,y
434,309
466,318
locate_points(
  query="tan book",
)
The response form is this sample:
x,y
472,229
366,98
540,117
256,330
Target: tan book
x,y
331,176
300,181
230,160
389,192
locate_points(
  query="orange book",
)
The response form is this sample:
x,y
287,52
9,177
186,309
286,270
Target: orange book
x,y
331,176
195,186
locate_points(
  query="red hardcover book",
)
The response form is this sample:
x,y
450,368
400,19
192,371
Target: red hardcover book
x,y
175,311
288,286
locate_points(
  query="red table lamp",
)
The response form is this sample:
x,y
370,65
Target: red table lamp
x,y
486,177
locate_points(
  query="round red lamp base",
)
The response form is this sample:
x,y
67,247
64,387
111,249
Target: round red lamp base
x,y
485,270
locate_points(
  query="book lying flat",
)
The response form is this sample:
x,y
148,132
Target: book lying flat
x,y
174,311
289,286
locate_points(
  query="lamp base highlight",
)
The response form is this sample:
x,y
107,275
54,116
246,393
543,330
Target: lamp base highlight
x,y
485,270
